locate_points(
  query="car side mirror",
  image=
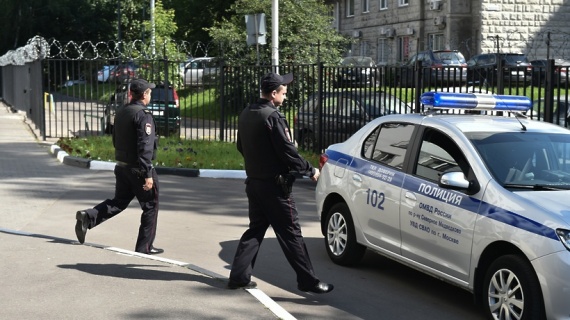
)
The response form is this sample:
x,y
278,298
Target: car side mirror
x,y
454,180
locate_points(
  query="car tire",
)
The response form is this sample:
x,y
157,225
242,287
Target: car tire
x,y
511,290
340,237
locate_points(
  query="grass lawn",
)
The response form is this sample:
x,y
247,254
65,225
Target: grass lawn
x,y
172,152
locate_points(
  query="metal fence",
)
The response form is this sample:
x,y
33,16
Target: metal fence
x,y
325,104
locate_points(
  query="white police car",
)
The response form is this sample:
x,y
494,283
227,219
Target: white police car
x,y
481,201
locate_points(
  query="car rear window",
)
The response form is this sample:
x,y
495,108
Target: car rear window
x,y
449,57
158,94
515,58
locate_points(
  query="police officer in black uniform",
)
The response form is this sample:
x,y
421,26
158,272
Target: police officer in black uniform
x,y
265,142
135,142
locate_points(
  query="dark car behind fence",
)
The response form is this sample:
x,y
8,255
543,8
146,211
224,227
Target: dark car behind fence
x,y
64,97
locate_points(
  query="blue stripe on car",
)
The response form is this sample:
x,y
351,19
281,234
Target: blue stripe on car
x,y
468,203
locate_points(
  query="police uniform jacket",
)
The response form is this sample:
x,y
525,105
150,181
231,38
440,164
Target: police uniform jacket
x,y
265,142
134,137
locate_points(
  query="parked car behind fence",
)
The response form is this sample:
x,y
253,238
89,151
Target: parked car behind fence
x,y
200,71
560,111
166,122
340,114
104,74
561,67
439,67
483,68
356,71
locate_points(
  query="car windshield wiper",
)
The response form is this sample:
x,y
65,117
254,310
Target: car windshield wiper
x,y
536,186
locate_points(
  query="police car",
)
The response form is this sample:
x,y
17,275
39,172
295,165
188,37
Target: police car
x,y
478,200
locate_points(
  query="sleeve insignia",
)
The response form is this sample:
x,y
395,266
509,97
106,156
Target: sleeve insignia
x,y
148,129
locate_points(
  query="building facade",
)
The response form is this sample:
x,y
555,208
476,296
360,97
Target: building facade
x,y
391,31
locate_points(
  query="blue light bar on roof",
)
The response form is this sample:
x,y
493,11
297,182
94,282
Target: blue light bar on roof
x,y
476,101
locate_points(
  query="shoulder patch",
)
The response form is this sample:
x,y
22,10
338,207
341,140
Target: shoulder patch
x,y
148,129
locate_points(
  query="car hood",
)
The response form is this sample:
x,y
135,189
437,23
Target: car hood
x,y
556,202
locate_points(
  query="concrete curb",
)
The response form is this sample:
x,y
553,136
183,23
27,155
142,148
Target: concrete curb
x,y
65,158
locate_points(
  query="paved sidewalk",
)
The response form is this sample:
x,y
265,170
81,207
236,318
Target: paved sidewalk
x,y
48,275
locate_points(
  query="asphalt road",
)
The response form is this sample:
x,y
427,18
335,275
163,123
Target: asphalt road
x,y
46,274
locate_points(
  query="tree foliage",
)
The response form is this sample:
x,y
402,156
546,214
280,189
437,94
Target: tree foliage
x,y
305,32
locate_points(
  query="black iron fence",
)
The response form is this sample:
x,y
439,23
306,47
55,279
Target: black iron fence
x,y
325,104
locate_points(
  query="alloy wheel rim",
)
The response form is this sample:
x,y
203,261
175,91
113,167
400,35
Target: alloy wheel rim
x,y
337,234
506,296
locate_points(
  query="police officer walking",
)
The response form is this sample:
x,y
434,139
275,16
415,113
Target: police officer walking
x,y
269,154
135,142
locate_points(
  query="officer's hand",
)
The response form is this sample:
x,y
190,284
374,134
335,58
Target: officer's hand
x,y
148,182
315,177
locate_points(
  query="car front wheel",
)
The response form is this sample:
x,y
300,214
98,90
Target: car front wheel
x,y
340,239
511,290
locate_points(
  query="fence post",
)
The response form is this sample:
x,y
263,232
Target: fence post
x,y
501,75
549,91
320,111
222,99
418,67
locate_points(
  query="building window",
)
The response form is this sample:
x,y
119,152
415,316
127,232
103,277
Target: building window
x,y
403,49
364,47
365,6
383,4
436,41
334,13
349,8
403,2
383,53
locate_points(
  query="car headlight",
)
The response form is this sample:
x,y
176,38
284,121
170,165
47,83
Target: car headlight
x,y
564,236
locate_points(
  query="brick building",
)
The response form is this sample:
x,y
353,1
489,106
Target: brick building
x,y
390,31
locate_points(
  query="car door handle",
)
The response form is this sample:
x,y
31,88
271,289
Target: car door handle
x,y
410,196
357,178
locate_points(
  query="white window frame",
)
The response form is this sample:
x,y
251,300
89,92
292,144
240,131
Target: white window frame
x,y
383,4
382,51
365,6
436,41
364,46
350,8
402,3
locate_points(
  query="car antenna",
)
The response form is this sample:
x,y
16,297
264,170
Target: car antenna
x,y
519,114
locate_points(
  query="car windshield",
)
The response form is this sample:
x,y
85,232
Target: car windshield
x,y
449,57
526,160
358,61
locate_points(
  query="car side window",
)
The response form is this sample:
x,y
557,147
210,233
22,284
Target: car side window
x,y
388,144
439,154
329,105
309,106
349,108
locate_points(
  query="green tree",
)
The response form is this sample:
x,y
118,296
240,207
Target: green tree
x,y
305,33
64,20
195,16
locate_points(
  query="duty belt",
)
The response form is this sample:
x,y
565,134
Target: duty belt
x,y
124,164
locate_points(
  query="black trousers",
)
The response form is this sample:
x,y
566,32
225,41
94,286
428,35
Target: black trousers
x,y
128,186
268,206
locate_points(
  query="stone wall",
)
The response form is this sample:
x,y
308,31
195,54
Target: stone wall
x,y
471,26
